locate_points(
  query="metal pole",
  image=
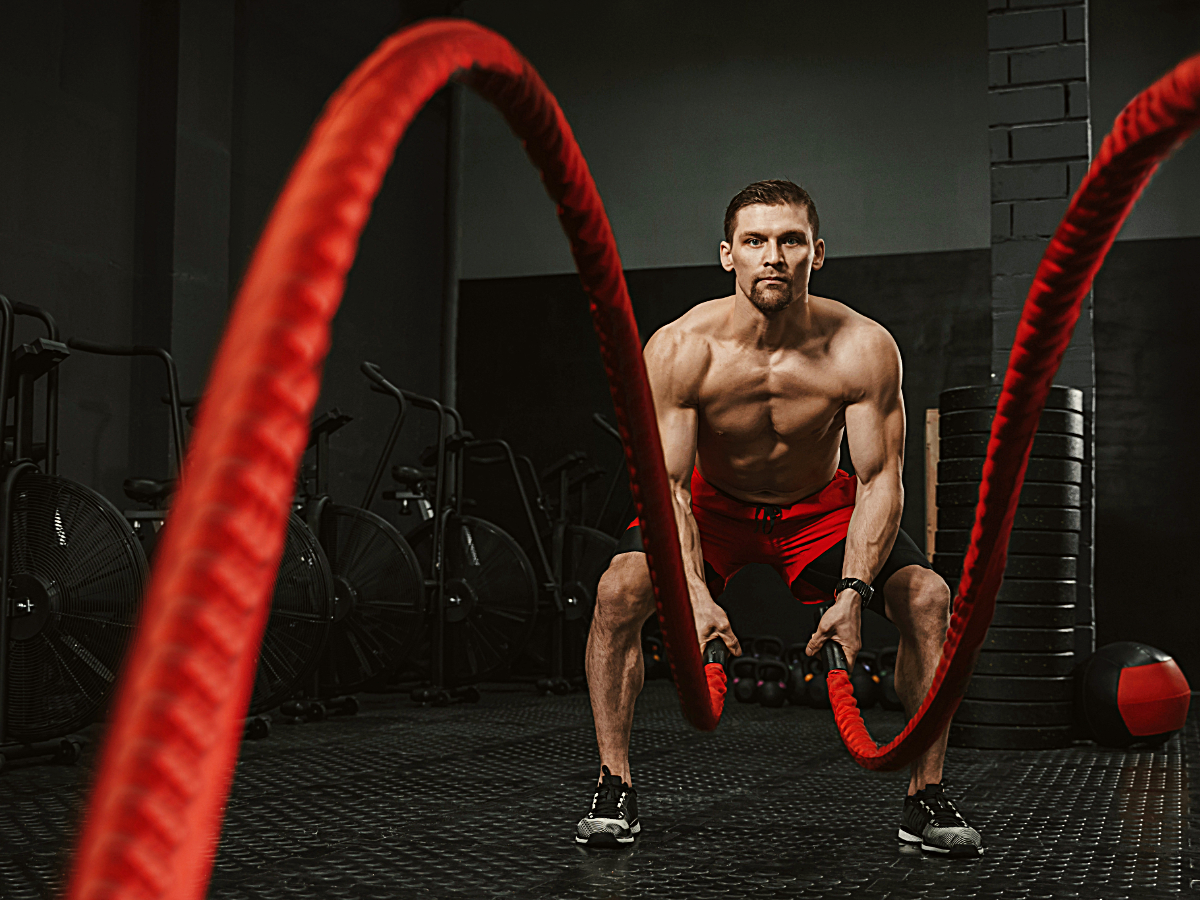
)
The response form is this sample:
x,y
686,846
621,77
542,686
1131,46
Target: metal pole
x,y
452,241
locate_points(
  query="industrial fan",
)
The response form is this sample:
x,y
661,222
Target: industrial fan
x,y
76,578
302,611
585,554
491,596
379,608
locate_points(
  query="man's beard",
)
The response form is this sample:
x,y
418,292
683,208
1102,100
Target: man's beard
x,y
773,299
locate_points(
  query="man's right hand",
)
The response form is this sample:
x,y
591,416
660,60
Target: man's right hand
x,y
711,622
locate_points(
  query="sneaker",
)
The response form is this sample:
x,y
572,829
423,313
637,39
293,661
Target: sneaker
x,y
930,819
613,818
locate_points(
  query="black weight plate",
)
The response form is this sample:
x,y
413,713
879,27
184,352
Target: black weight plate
x,y
992,712
1051,446
1028,665
1030,640
1010,737
1012,615
1060,471
1033,494
1034,518
1043,567
1023,690
979,421
984,396
1030,591
1033,543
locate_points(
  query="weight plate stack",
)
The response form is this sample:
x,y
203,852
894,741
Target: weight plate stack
x,y
1020,696
988,395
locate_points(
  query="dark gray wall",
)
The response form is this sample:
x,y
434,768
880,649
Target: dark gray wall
x,y
68,157
1147,319
1134,43
292,56
144,146
876,107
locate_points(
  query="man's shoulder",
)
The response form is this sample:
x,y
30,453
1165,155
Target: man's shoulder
x,y
703,319
694,330
684,347
851,328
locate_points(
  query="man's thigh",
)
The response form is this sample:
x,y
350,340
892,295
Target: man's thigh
x,y
824,572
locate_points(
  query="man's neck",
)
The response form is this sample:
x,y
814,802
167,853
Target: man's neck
x,y
771,331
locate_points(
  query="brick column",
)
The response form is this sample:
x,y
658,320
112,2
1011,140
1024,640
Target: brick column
x,y
1040,139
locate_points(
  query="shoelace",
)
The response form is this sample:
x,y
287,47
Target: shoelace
x,y
944,813
608,803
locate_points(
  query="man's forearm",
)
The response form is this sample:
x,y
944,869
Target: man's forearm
x,y
873,527
689,542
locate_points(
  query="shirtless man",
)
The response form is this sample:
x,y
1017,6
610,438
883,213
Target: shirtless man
x,y
752,394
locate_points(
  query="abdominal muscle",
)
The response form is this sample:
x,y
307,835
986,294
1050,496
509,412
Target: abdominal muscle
x,y
767,471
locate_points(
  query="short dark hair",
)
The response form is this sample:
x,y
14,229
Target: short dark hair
x,y
771,193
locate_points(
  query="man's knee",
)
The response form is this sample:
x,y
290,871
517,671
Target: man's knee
x,y
918,596
625,595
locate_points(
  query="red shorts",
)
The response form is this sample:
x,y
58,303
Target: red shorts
x,y
734,533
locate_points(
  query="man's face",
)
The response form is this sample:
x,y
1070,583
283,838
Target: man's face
x,y
772,254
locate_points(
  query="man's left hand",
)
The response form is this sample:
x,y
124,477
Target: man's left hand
x,y
842,623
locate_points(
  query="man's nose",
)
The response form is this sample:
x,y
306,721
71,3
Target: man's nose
x,y
774,253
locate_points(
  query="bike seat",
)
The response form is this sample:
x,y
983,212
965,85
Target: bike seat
x,y
411,475
567,462
454,443
148,490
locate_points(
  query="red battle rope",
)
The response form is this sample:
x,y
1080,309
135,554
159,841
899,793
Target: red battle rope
x,y
164,774
1146,131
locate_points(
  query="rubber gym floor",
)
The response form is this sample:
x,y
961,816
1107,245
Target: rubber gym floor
x,y
406,802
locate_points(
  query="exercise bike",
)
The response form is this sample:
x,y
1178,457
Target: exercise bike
x,y
380,600
302,603
484,592
71,569
576,556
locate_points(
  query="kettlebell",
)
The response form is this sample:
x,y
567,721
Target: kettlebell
x,y
654,655
772,684
886,670
744,670
818,688
864,680
767,647
798,674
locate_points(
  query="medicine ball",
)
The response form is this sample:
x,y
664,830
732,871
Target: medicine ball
x,y
1131,693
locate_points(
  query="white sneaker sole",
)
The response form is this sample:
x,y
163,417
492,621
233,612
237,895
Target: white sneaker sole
x,y
607,838
909,838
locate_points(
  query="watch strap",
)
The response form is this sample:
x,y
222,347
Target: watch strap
x,y
864,590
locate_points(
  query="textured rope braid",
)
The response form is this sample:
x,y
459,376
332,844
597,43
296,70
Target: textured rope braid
x,y
1145,132
164,773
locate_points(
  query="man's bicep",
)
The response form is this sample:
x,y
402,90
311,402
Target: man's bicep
x,y
677,427
875,423
671,368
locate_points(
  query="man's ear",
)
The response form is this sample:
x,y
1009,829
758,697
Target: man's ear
x,y
726,256
818,254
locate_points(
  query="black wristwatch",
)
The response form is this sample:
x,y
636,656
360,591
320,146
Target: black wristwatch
x,y
865,591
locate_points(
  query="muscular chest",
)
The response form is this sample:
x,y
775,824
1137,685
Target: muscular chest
x,y
792,400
